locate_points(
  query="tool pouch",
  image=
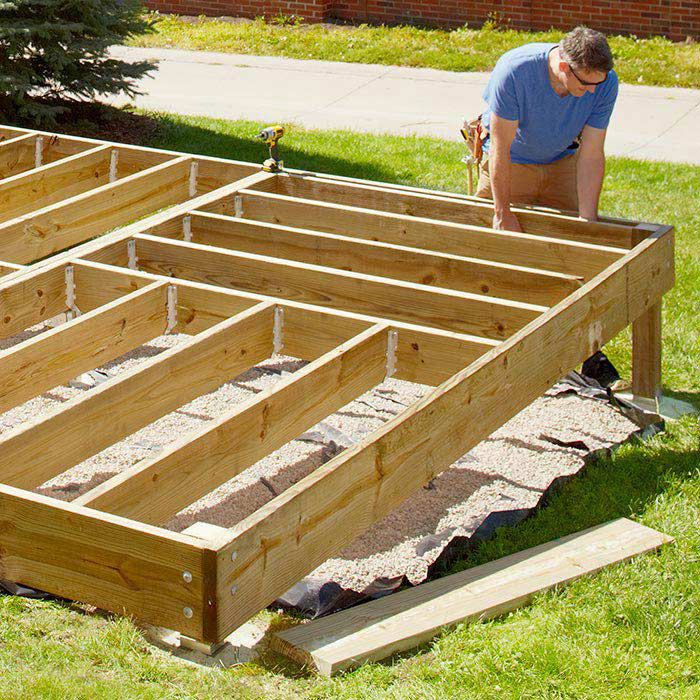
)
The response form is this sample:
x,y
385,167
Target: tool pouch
x,y
474,134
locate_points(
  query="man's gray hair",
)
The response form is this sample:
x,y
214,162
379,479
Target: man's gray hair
x,y
586,49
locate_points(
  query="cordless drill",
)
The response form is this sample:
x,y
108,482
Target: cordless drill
x,y
271,135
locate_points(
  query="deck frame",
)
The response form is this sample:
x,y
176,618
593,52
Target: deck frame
x,y
363,280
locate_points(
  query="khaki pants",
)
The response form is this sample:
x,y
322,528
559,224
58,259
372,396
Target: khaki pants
x,y
551,185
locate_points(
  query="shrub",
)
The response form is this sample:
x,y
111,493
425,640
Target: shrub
x,y
57,49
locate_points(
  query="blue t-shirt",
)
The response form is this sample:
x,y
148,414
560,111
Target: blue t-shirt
x,y
520,89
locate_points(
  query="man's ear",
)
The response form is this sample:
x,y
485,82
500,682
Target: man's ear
x,y
564,67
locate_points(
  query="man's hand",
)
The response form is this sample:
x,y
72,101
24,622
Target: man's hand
x,y
506,221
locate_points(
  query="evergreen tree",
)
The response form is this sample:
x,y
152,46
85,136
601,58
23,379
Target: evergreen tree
x,y
58,49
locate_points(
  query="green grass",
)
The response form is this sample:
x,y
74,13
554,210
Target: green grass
x,y
631,632
655,61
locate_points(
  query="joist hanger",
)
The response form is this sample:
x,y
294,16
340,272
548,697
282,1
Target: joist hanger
x,y
131,253
172,308
38,151
73,310
194,171
187,228
391,347
278,330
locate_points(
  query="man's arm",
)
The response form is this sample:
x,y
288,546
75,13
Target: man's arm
x,y
502,132
590,170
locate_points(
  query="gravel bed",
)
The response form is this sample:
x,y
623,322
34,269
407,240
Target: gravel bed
x,y
509,470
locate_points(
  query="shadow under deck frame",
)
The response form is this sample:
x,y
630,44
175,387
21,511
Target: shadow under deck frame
x,y
364,280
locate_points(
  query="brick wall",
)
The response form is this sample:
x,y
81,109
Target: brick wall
x,y
676,19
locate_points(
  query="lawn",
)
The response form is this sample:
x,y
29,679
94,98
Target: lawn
x,y
655,61
629,633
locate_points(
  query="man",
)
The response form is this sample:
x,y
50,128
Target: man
x,y
540,98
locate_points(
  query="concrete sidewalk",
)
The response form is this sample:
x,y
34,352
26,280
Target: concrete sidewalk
x,y
648,122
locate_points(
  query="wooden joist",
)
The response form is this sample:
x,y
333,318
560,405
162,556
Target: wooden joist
x,y
478,213
43,186
84,343
405,620
119,406
539,252
379,259
460,312
17,155
65,223
155,490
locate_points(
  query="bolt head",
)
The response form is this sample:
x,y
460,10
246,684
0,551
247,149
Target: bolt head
x,y
233,590
234,554
187,577
187,612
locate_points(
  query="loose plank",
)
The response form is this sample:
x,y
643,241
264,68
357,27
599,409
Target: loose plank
x,y
402,621
120,406
157,489
86,342
394,299
537,252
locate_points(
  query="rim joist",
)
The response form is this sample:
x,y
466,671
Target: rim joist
x,y
362,280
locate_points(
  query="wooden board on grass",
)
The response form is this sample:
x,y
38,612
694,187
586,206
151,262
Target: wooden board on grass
x,y
402,621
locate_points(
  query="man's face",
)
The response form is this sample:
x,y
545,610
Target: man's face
x,y
575,79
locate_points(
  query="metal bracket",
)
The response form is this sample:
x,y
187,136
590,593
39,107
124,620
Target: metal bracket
x,y
187,228
38,151
238,206
392,344
194,171
73,310
113,161
278,330
172,308
131,252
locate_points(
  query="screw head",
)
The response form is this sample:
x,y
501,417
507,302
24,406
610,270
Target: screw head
x,y
233,590
187,577
234,554
187,612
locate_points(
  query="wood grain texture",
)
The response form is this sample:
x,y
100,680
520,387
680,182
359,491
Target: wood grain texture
x,y
425,355
57,355
54,182
97,558
29,300
392,299
63,224
296,531
17,155
118,407
381,259
402,621
155,490
537,252
479,213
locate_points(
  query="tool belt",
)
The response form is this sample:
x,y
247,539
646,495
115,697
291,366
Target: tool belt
x,y
474,134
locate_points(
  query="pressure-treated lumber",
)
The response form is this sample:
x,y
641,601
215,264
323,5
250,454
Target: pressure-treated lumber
x,y
424,355
82,344
434,206
63,224
403,621
296,531
155,490
28,301
438,308
17,155
381,259
120,406
104,560
539,252
54,182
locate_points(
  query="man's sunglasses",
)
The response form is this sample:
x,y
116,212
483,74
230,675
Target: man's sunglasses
x,y
586,82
